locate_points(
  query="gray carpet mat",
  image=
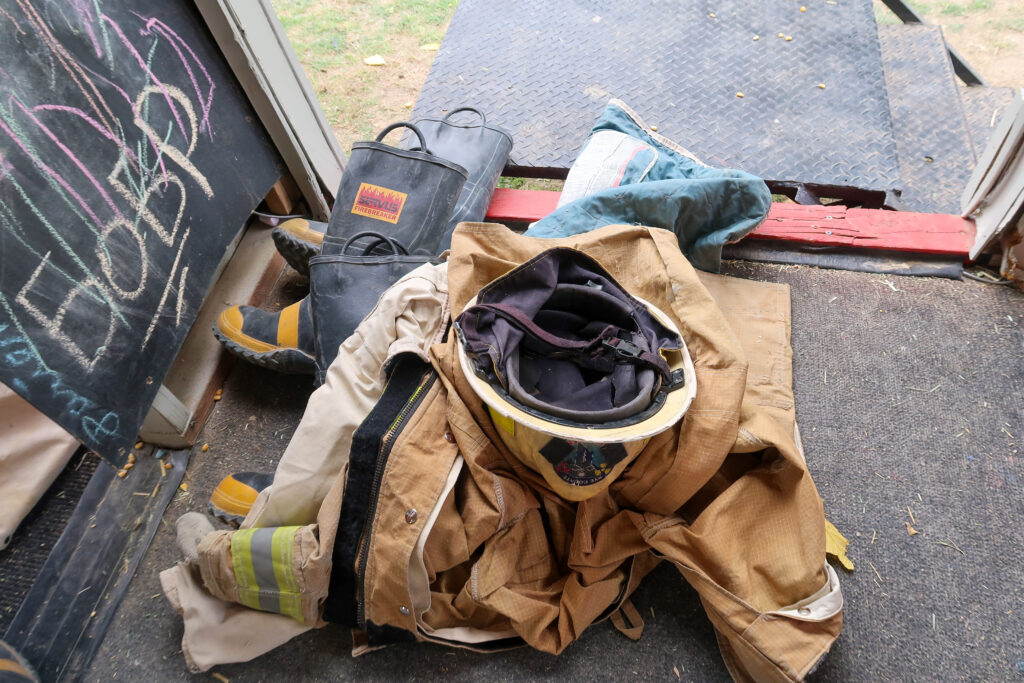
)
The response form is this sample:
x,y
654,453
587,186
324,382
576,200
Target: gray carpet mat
x,y
21,561
909,396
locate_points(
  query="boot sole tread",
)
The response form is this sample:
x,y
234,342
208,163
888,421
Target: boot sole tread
x,y
283,360
296,252
227,518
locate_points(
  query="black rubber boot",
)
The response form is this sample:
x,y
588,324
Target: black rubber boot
x,y
481,149
389,216
407,195
299,240
276,340
344,288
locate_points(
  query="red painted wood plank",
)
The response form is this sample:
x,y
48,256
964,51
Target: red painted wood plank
x,y
521,206
921,233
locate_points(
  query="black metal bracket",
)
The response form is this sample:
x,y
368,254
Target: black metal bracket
x,y
61,622
623,349
812,193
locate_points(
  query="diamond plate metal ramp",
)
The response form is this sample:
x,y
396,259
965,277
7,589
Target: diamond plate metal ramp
x,y
545,70
932,142
983,106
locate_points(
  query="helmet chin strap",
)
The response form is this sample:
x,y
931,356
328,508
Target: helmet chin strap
x,y
612,345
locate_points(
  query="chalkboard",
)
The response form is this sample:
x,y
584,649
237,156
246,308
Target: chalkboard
x,y
129,161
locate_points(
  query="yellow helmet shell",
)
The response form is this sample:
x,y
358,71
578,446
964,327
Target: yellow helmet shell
x,y
580,460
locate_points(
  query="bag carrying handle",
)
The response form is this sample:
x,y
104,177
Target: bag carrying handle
x,y
483,119
379,238
410,126
396,247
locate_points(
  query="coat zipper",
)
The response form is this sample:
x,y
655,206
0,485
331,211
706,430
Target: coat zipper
x,y
378,474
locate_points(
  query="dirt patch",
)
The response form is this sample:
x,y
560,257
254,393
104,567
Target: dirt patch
x,y
993,43
373,97
988,34
333,37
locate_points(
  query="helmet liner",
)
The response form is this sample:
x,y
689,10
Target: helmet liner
x,y
576,374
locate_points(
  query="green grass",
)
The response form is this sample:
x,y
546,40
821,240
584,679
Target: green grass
x,y
328,34
424,19
316,32
883,15
530,184
512,183
943,8
1014,24
332,37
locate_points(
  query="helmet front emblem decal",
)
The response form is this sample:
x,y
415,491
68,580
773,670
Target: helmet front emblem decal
x,y
582,464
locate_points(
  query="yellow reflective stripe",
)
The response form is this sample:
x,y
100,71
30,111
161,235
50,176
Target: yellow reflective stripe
x,y
282,548
288,326
279,590
245,573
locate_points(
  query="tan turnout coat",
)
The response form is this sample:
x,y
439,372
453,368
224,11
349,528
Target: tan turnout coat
x,y
491,556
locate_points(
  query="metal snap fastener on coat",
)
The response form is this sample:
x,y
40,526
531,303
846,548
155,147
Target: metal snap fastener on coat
x,y
411,515
449,437
403,610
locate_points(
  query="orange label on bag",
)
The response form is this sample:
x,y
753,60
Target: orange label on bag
x,y
374,201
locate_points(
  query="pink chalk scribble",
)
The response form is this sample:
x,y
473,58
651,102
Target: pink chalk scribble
x,y
149,72
53,174
75,111
175,40
78,76
154,142
5,167
83,8
74,159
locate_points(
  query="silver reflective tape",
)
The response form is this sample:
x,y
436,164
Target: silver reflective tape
x,y
263,567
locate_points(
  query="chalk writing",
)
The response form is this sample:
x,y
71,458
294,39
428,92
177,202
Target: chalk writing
x,y
16,351
108,115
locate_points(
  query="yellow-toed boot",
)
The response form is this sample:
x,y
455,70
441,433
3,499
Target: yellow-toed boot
x,y
281,340
299,240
